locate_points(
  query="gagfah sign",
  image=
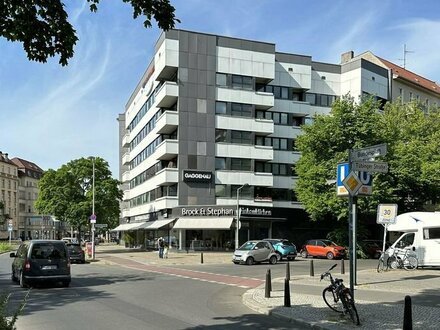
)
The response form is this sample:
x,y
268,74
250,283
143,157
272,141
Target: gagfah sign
x,y
197,176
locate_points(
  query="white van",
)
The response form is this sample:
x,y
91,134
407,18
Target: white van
x,y
420,233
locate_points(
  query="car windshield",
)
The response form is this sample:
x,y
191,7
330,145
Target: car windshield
x,y
328,242
74,248
48,251
247,246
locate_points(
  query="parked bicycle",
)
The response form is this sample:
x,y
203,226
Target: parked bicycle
x,y
395,258
403,258
338,297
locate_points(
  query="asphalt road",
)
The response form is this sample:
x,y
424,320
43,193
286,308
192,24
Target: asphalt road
x,y
103,296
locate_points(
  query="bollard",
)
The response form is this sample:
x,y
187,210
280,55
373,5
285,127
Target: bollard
x,y
342,266
312,271
286,293
288,271
407,314
268,286
201,258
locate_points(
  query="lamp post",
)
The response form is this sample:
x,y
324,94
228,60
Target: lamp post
x,y
93,217
238,214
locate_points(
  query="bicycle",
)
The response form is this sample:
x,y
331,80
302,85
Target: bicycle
x,y
403,258
383,263
338,297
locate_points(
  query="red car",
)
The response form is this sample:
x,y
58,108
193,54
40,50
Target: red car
x,y
322,248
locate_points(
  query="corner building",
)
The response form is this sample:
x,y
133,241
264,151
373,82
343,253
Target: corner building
x,y
213,115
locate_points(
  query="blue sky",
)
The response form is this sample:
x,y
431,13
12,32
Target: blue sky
x,y
51,114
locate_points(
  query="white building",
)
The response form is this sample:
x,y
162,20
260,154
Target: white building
x,y
213,114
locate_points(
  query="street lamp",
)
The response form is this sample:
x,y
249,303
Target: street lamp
x,y
238,214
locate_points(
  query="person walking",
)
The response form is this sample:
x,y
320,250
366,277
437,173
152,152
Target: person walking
x,y
161,245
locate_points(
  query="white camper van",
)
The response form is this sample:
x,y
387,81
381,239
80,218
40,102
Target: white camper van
x,y
421,233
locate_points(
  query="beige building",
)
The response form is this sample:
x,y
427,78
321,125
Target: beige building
x,y
8,196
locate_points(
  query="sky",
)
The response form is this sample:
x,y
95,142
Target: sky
x,y
50,114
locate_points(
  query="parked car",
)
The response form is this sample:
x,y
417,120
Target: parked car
x,y
253,252
373,248
41,261
283,248
76,253
322,248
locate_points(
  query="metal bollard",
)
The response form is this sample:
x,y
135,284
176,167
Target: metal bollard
x,y
201,258
286,293
288,271
407,314
268,286
312,270
342,266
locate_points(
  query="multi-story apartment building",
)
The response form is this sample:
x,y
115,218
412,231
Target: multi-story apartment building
x,y
8,197
210,129
30,223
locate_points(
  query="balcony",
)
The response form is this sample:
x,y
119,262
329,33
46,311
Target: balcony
x,y
295,107
242,177
167,150
261,100
126,158
260,126
167,95
166,59
167,122
126,176
244,151
126,140
166,176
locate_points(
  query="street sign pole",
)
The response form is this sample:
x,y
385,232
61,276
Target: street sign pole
x,y
351,231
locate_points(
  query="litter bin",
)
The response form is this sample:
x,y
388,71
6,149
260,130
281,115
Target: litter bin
x,y
89,249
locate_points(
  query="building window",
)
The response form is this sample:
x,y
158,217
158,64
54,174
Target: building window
x,y
220,108
241,110
221,79
241,137
220,135
242,82
240,164
220,190
220,163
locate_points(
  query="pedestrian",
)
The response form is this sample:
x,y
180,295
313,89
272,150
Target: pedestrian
x,y
165,251
161,245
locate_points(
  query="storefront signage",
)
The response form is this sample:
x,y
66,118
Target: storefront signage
x,y
197,176
255,211
206,211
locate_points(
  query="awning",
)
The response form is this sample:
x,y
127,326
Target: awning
x,y
155,224
127,226
203,223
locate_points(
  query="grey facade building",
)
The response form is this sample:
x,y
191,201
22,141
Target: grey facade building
x,y
215,115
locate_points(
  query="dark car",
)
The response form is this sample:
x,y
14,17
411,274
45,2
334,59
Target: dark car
x,y
373,248
41,261
283,248
76,253
322,248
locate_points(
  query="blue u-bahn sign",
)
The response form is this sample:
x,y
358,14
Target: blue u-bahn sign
x,y
365,177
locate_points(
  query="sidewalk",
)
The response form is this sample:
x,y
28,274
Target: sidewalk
x,y
379,296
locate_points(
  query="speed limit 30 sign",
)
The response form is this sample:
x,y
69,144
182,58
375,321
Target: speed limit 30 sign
x,y
386,213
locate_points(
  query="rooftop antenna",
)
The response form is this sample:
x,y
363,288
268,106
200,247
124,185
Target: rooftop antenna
x,y
405,51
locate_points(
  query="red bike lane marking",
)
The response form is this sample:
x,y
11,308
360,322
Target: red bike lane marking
x,y
243,282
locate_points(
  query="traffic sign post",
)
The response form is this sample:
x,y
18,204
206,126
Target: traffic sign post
x,y
369,152
371,167
386,215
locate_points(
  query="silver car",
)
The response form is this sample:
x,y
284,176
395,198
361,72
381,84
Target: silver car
x,y
255,251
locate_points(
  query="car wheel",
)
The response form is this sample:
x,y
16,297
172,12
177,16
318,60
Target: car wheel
x,y
273,260
13,277
330,255
304,254
249,261
23,283
279,256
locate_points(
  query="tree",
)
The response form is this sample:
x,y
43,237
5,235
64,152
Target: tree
x,y
413,155
43,27
67,193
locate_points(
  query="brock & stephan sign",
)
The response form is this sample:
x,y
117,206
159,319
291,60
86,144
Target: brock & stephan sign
x,y
207,211
197,176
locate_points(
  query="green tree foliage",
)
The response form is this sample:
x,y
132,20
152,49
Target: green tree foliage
x,y
413,155
67,193
8,323
43,27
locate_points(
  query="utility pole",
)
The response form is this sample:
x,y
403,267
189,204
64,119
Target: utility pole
x,y
405,51
93,217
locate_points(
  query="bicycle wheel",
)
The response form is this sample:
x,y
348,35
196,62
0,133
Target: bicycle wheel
x,y
380,265
332,300
349,306
393,262
410,263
